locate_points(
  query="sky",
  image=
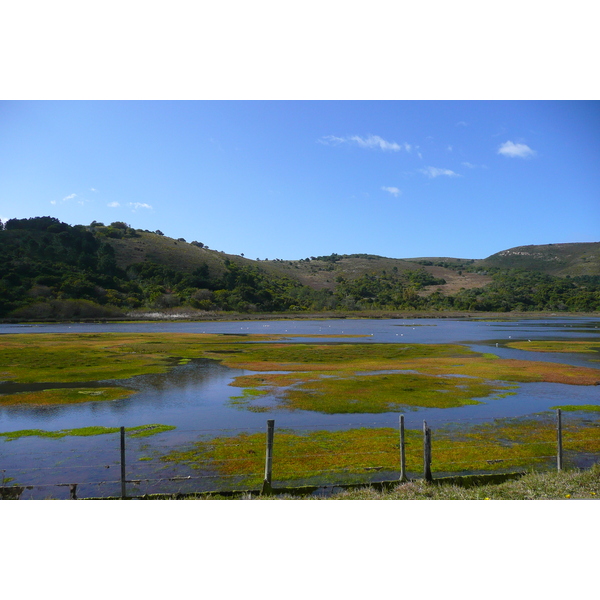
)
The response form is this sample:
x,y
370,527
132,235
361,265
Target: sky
x,y
292,179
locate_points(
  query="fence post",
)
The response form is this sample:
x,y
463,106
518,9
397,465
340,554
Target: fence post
x,y
559,453
73,491
402,451
267,489
427,452
123,491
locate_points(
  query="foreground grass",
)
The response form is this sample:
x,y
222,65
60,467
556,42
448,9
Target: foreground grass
x,y
566,485
550,485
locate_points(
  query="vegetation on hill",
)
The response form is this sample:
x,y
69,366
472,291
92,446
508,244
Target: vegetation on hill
x,y
49,269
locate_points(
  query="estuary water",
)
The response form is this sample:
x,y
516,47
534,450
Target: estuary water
x,y
195,398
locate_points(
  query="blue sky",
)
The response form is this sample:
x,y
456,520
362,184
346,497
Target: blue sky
x,y
290,179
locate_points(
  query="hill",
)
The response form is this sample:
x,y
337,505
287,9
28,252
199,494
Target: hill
x,y
49,269
553,259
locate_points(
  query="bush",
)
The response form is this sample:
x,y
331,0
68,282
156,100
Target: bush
x,y
65,309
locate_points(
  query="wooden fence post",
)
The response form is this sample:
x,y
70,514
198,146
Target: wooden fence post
x,y
267,488
73,491
559,453
123,490
427,452
402,451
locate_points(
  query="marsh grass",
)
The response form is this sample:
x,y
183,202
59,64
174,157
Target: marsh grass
x,y
556,346
578,407
501,446
138,431
65,396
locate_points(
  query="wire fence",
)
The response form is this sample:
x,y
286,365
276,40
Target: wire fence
x,y
296,460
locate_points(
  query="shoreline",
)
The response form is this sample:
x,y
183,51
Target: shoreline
x,y
182,317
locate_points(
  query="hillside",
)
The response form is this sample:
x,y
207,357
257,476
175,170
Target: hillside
x,y
553,259
49,269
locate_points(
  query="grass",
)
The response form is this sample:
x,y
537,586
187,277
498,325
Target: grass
x,y
383,393
564,485
354,369
328,456
64,396
557,346
139,431
578,407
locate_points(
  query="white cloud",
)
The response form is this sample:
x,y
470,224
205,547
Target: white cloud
x,y
372,141
53,202
137,205
93,190
433,172
449,148
461,124
394,191
69,197
113,204
516,150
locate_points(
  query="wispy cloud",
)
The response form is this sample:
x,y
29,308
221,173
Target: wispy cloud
x,y
472,166
136,205
93,190
371,141
433,172
513,150
113,204
394,191
65,199
461,124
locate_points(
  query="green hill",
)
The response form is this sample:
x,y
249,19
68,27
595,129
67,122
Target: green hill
x,y
49,269
552,259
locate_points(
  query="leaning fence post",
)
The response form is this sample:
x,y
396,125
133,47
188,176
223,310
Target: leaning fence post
x,y
402,451
123,491
427,452
559,452
267,489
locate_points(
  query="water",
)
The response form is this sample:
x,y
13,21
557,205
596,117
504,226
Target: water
x,y
194,397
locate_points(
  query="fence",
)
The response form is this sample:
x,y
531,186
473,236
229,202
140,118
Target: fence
x,y
319,461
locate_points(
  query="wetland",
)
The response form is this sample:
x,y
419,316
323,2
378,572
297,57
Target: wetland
x,y
334,387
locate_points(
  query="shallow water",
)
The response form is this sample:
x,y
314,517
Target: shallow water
x,y
194,397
